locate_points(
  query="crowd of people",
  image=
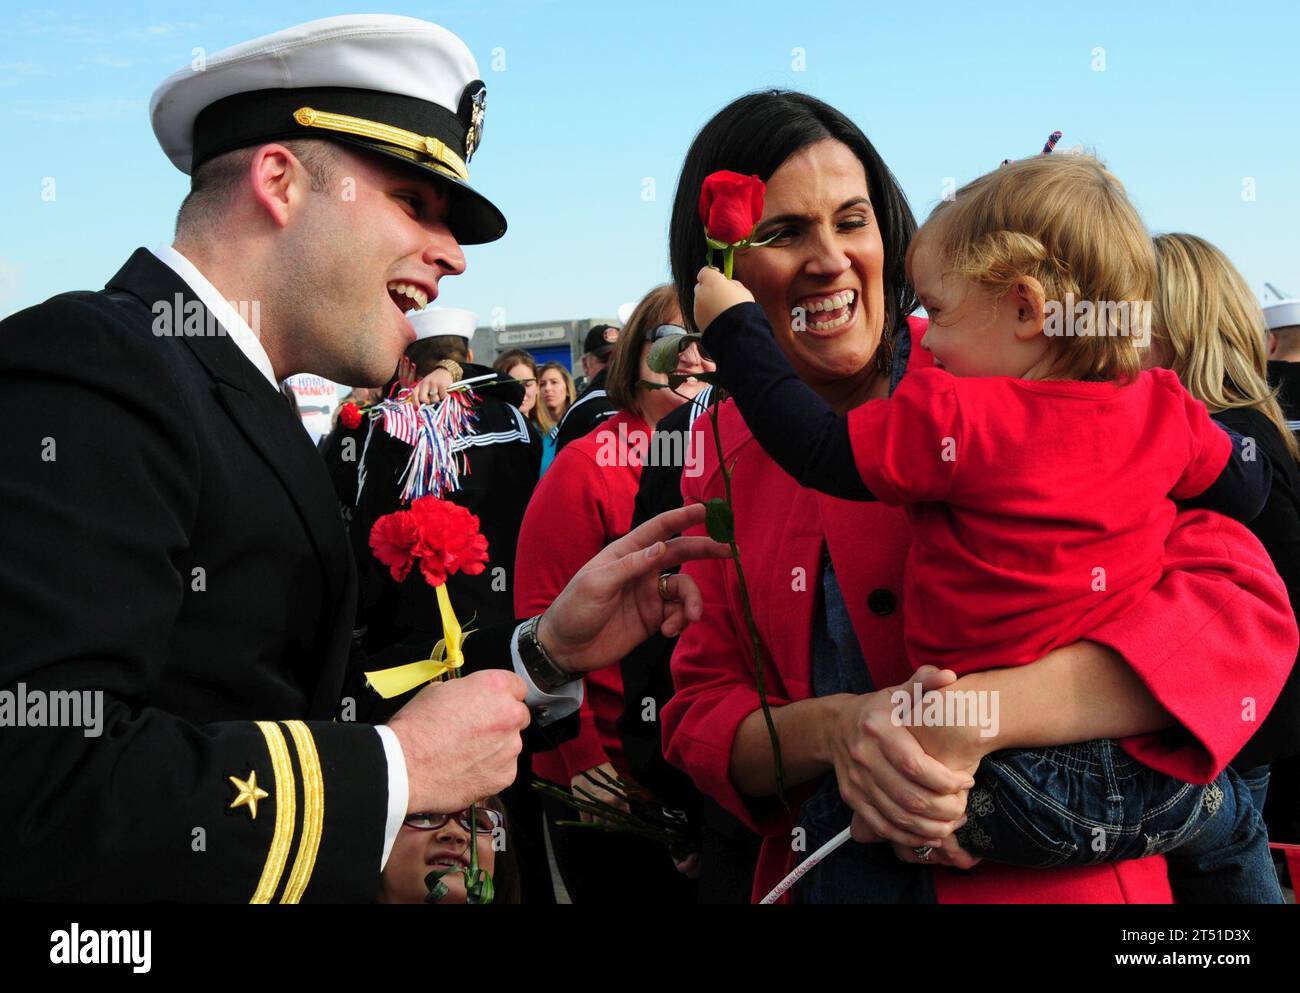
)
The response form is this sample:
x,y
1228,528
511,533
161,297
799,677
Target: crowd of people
x,y
897,476
1206,330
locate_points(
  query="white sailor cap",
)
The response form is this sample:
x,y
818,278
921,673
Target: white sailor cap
x,y
1284,314
443,320
397,86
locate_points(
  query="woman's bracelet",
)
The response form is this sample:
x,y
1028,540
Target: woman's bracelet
x,y
453,367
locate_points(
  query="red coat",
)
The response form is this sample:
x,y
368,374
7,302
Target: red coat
x,y
1014,515
1185,640
580,506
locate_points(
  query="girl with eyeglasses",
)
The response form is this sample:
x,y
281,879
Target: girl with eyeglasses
x,y
432,841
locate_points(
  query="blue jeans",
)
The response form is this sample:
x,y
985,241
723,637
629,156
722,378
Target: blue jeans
x,y
1090,803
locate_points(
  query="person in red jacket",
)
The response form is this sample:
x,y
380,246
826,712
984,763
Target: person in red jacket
x,y
584,502
825,577
989,454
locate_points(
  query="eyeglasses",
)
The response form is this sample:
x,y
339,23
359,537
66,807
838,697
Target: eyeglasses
x,y
664,331
486,820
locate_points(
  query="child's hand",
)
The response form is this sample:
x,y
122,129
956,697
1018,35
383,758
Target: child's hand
x,y
715,293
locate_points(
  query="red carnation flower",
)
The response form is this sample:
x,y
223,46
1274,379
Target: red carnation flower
x,y
449,542
394,539
350,415
730,205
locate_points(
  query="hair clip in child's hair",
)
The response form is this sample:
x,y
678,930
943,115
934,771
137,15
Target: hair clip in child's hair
x,y
1052,139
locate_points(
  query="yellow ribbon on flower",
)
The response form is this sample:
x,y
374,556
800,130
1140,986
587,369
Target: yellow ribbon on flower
x,y
389,683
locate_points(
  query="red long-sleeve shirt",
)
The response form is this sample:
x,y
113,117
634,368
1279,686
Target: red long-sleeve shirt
x,y
584,502
1039,509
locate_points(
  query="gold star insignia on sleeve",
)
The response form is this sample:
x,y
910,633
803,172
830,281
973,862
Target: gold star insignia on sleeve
x,y
249,793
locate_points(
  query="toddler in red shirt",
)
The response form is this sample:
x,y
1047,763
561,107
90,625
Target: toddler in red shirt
x,y
1039,466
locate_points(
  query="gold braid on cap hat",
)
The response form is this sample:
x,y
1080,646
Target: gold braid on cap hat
x,y
441,156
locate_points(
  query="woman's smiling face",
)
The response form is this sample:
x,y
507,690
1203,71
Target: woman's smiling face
x,y
820,281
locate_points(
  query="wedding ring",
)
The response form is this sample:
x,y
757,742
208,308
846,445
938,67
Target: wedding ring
x,y
923,852
663,587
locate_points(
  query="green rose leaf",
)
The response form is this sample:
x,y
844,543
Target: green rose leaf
x,y
719,521
480,891
714,243
664,352
437,888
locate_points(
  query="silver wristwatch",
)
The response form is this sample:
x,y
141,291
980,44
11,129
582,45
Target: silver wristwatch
x,y
541,668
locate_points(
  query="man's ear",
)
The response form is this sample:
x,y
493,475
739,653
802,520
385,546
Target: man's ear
x,y
1028,300
469,355
1272,344
278,181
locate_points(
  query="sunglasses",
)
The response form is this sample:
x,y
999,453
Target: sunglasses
x,y
664,331
486,820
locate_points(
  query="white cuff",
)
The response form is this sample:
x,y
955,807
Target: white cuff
x,y
399,789
549,707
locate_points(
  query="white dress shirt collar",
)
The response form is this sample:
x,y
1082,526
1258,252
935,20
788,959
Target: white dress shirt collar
x,y
228,316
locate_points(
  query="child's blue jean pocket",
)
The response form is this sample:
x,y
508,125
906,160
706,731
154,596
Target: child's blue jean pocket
x,y
1082,804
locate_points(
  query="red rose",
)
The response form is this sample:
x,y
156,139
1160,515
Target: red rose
x,y
393,539
730,205
449,540
350,415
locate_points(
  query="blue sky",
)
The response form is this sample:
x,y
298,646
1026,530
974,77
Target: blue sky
x,y
1195,110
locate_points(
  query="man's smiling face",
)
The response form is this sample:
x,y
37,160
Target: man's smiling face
x,y
364,252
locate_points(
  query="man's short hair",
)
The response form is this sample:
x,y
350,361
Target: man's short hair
x,y
1288,338
214,183
425,352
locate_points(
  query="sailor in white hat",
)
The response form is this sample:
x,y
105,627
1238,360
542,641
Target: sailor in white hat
x,y
1283,322
177,546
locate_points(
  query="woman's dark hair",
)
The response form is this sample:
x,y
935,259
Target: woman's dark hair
x,y
505,875
754,135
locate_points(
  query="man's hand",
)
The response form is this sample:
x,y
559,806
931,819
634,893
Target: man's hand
x,y
715,293
613,603
461,739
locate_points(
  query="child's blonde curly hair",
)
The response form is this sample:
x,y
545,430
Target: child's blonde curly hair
x,y
1066,221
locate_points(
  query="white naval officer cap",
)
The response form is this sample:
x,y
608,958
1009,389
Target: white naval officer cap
x,y
396,86
1283,314
443,320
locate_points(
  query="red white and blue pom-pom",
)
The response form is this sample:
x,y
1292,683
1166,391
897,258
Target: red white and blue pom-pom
x,y
435,467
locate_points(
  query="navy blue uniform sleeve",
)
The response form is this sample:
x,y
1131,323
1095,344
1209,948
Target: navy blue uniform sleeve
x,y
1242,488
795,426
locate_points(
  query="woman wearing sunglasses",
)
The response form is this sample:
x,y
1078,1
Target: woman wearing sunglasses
x,y
584,502
429,842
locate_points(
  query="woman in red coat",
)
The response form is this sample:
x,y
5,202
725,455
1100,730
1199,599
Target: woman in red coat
x,y
584,502
825,578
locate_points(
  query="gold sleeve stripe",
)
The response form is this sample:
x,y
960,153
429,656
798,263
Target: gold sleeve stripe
x,y
313,812
285,812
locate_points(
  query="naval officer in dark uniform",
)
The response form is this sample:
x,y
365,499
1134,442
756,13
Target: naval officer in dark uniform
x,y
173,542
